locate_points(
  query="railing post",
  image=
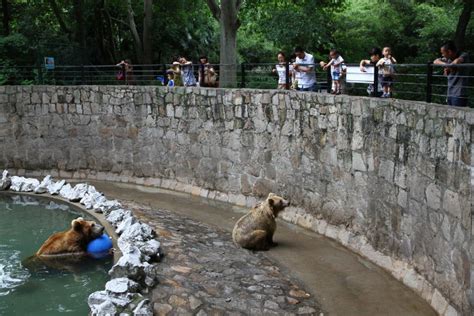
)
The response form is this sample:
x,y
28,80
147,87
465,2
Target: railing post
x,y
165,75
242,69
287,75
124,72
429,82
329,80
201,73
40,75
376,81
82,75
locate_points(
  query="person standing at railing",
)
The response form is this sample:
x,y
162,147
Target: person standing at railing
x,y
207,75
304,70
386,71
280,69
126,71
176,70
375,55
336,69
187,72
457,76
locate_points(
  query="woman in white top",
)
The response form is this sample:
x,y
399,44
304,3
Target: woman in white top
x,y
280,69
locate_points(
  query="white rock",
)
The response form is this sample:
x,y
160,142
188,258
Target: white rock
x,y
107,206
130,265
125,224
66,191
6,181
118,215
137,232
100,297
55,187
151,248
43,186
143,309
105,308
78,192
92,197
30,185
121,285
16,183
21,184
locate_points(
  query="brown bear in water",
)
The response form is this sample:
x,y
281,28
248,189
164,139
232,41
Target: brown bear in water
x,y
255,229
72,241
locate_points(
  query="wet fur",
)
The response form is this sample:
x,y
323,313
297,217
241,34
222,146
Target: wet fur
x,y
255,229
73,241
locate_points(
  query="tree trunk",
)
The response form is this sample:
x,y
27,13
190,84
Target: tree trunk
x,y
228,48
463,21
80,35
6,18
109,30
147,31
226,14
133,28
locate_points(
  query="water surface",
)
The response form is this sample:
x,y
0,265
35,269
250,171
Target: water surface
x,y
25,223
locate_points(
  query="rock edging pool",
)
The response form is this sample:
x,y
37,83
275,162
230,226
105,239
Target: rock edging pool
x,y
134,274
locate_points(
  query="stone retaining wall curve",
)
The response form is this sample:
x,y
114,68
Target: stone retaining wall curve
x,y
389,179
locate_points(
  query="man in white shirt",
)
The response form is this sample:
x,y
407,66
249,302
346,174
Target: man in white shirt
x,y
304,70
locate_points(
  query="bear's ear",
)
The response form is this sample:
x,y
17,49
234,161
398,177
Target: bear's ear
x,y
270,195
271,202
76,224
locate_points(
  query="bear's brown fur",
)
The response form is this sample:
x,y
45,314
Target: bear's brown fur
x,y
72,241
255,229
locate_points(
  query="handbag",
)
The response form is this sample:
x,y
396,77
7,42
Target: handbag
x,y
120,75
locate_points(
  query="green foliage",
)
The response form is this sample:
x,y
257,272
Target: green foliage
x,y
414,29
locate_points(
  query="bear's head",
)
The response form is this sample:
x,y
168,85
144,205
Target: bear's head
x,y
277,203
89,229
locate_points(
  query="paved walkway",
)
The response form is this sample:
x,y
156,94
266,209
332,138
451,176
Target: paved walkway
x,y
342,282
204,273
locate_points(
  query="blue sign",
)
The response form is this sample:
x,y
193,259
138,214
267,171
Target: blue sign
x,y
49,62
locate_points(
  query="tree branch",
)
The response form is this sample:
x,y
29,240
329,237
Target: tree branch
x,y
463,21
57,13
133,29
215,9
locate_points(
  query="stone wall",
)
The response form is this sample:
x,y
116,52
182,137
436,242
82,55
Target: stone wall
x,y
394,174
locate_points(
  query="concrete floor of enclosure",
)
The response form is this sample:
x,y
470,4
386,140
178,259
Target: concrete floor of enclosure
x,y
343,282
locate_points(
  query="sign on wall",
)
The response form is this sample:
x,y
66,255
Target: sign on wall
x,y
49,63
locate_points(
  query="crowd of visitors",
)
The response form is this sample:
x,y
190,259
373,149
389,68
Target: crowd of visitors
x,y
299,72
181,73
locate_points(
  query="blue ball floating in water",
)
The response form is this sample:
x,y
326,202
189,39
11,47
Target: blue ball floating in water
x,y
100,245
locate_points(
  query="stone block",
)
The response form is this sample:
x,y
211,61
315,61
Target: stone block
x,y
433,196
451,203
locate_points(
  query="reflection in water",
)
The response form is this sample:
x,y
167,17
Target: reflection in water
x,y
32,287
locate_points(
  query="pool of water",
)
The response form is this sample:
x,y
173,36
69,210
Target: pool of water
x,y
25,223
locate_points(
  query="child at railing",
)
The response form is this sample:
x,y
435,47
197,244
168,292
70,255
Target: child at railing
x,y
386,71
336,69
375,55
176,72
280,69
170,76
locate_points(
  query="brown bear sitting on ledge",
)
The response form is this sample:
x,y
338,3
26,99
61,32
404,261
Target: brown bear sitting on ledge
x,y
72,241
255,229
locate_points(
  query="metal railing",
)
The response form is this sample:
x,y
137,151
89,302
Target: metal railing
x,y
422,82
